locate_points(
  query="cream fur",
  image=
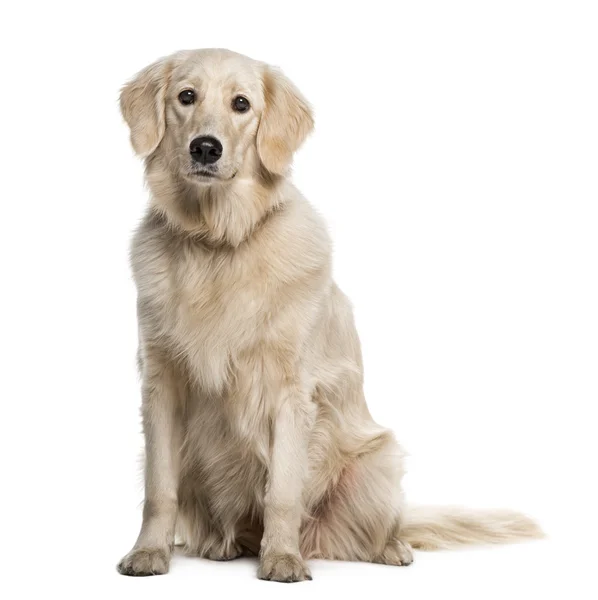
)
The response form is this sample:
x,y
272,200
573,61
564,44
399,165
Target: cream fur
x,y
258,437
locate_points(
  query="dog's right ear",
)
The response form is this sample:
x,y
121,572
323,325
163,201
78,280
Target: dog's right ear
x,y
142,103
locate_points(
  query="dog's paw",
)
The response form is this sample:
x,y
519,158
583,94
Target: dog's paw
x,y
396,553
141,562
283,567
224,552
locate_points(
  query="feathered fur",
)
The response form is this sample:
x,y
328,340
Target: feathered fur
x,y
258,437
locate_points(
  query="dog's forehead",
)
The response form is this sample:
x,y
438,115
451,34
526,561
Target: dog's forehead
x,y
219,67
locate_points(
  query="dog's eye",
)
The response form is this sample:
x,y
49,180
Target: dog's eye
x,y
187,97
241,104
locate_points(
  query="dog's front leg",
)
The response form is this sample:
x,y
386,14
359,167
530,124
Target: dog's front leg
x,y
280,558
162,429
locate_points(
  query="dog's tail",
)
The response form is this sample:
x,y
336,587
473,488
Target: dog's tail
x,y
434,528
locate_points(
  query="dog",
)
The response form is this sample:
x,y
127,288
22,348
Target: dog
x,y
258,439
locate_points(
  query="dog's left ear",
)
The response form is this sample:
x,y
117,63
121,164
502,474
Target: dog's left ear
x,y
286,121
142,103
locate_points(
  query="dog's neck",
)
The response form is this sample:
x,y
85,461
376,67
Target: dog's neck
x,y
222,214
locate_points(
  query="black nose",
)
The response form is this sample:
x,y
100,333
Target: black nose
x,y
205,150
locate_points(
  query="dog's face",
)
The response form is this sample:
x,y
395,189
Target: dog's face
x,y
214,115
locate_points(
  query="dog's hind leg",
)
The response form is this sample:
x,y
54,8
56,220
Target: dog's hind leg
x,y
359,517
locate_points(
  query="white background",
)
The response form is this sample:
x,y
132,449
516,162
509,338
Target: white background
x,y
455,159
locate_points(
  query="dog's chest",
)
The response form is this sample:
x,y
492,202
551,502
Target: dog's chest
x,y
210,306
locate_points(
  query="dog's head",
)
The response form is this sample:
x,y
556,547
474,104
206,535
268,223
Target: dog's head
x,y
214,114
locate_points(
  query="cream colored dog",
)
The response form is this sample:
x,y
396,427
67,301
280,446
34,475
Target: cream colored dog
x,y
258,437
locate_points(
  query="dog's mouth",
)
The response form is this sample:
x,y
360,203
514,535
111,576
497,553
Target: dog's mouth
x,y
207,175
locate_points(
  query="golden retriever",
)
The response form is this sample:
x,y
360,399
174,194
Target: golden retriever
x,y
258,437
